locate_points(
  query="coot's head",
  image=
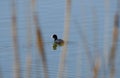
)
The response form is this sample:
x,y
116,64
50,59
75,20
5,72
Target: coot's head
x,y
54,36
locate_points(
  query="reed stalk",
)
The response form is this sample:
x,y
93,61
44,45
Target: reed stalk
x,y
1,74
106,36
39,39
83,34
95,32
15,42
83,37
65,37
114,41
78,61
114,46
96,67
28,65
41,51
97,59
106,31
29,42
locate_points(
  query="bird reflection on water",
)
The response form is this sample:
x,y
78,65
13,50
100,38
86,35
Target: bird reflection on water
x,y
55,45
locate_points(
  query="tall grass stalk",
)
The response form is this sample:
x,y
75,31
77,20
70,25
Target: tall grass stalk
x,y
15,42
82,32
65,37
41,51
78,62
84,43
114,46
29,42
1,74
39,39
94,64
106,36
97,59
95,32
28,65
96,67
106,31
83,35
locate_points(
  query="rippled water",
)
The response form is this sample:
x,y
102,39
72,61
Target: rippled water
x,y
51,15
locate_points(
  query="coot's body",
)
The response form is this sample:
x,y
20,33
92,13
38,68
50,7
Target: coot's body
x,y
56,40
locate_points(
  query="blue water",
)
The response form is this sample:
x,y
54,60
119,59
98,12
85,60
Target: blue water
x,y
51,15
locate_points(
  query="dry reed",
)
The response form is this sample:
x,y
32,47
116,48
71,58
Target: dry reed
x,y
83,35
95,32
106,36
1,73
28,65
41,51
106,31
114,46
65,37
39,39
15,42
29,42
97,59
96,67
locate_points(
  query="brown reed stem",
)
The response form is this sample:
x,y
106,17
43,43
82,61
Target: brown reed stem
x,y
84,43
96,67
28,64
114,46
39,39
106,31
83,35
66,35
95,33
1,74
41,51
29,42
15,42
